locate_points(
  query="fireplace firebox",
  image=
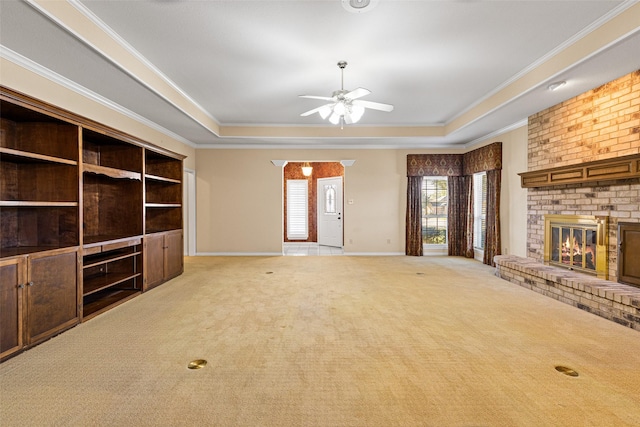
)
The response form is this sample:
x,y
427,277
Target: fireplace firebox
x,y
577,242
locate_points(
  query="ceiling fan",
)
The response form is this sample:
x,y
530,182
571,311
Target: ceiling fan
x,y
345,107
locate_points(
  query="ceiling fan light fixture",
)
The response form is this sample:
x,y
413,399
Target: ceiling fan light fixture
x,y
345,106
358,6
348,120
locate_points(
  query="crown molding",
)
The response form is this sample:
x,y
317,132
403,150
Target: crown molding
x,y
34,67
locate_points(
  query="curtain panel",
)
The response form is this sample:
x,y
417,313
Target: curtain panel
x,y
460,169
460,204
493,241
413,238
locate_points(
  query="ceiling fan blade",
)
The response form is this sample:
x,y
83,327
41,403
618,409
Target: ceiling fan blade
x,y
315,110
357,93
374,105
324,98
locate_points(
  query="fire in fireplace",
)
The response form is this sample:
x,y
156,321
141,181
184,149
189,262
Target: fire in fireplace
x,y
577,242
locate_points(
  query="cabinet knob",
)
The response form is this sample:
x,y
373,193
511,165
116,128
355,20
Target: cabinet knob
x,y
21,285
30,283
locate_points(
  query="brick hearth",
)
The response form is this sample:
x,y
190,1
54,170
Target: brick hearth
x,y
611,300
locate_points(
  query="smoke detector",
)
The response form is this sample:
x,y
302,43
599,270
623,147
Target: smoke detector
x,y
358,6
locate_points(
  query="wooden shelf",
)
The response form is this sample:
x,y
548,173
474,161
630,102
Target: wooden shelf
x,y
111,172
163,205
99,283
25,250
101,149
26,156
161,166
104,259
112,208
12,203
106,240
162,179
601,170
38,225
102,301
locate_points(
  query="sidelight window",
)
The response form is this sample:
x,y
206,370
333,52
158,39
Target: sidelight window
x,y
479,209
297,209
435,203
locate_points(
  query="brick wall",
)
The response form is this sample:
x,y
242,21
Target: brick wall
x,y
600,124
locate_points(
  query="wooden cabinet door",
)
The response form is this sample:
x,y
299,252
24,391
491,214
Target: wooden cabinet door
x,y
11,289
52,294
173,254
154,260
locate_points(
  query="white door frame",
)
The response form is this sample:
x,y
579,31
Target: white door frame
x,y
189,212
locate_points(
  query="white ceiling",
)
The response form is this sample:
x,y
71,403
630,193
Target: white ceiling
x,y
228,73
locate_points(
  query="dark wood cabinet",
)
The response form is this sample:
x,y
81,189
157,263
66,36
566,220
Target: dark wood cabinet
x,y
628,249
51,298
163,257
39,295
154,260
80,206
12,283
173,254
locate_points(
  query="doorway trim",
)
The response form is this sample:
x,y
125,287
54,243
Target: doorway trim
x,y
189,212
281,163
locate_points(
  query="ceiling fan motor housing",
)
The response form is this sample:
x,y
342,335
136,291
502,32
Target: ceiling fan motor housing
x,y
358,6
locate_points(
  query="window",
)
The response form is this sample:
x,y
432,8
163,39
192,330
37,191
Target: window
x,y
297,209
479,209
435,201
330,199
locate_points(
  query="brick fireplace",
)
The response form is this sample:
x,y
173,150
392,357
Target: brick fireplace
x,y
596,128
601,124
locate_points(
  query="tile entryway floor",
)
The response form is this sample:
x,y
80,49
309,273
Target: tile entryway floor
x,y
309,249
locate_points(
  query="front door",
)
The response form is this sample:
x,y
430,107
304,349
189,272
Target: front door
x,y
330,211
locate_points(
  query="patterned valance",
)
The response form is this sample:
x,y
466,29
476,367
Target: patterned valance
x,y
434,164
485,158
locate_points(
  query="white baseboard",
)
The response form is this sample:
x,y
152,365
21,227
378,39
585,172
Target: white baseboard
x,y
238,253
374,254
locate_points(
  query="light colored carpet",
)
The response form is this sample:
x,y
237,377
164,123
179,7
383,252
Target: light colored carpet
x,y
331,341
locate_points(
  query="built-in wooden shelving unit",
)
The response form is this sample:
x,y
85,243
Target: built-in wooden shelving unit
x,y
79,204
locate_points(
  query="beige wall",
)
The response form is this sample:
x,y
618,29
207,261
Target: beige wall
x,y
239,197
513,206
240,200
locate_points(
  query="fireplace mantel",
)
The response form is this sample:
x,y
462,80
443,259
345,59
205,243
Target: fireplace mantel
x,y
601,170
